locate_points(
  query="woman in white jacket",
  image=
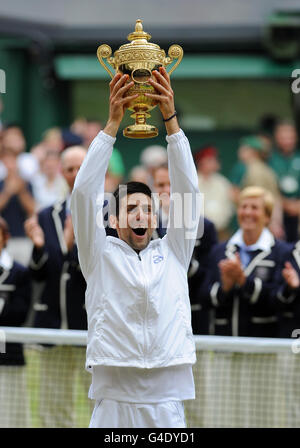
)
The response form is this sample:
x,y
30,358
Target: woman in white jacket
x,y
140,347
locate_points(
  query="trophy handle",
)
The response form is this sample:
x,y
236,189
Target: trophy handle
x,y
174,52
104,52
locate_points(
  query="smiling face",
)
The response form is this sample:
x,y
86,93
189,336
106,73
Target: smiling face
x,y
252,215
136,220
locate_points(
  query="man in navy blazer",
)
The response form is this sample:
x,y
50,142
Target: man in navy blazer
x,y
15,297
54,264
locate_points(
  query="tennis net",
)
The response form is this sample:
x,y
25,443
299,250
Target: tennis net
x,y
240,382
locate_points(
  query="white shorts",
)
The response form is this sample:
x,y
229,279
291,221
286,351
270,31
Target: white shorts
x,y
118,414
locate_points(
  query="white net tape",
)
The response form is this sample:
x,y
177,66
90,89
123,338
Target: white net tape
x,y
240,382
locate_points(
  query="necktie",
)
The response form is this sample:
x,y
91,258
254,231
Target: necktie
x,y
245,255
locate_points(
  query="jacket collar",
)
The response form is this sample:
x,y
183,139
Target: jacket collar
x,y
264,242
126,246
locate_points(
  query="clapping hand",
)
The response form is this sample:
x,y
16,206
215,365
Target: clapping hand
x,y
231,273
291,276
34,231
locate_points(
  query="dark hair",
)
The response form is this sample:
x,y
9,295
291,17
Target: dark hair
x,y
128,189
12,125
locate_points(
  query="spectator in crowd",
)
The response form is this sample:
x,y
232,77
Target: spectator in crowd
x,y
252,170
53,140
49,185
252,154
15,299
265,131
161,186
78,127
90,130
151,157
39,151
13,141
55,264
244,271
218,206
285,161
16,204
138,174
115,172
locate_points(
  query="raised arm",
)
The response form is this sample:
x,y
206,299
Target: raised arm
x,y
88,192
184,212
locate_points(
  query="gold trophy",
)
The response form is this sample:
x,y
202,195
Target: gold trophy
x,y
138,59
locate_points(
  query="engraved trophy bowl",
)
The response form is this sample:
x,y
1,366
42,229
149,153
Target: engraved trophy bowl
x,y
138,59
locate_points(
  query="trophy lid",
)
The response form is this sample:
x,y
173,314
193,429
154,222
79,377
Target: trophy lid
x,y
139,34
138,50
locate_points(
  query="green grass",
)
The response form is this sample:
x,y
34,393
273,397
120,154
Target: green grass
x,y
82,403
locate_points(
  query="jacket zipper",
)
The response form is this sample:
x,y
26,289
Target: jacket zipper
x,y
146,312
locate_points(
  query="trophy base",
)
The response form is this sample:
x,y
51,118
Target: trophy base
x,y
140,131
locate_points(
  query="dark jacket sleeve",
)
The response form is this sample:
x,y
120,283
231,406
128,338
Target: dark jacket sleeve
x,y
17,305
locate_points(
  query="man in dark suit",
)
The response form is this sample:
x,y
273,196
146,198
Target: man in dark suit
x,y
55,265
15,295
